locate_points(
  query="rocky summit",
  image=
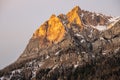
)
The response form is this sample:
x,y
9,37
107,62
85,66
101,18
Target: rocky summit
x,y
79,45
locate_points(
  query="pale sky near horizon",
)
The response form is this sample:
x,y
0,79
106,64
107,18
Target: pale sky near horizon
x,y
20,18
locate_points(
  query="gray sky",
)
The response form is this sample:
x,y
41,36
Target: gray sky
x,y
20,18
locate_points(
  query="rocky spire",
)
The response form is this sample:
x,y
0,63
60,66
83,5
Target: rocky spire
x,y
74,16
53,30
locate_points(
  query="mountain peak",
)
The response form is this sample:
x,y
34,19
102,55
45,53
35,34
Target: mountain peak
x,y
76,9
56,30
74,16
53,30
77,46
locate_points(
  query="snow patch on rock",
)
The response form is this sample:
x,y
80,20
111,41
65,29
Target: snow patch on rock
x,y
114,19
76,65
100,27
57,52
47,57
82,41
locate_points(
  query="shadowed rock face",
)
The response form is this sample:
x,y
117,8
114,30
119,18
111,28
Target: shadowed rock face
x,y
78,46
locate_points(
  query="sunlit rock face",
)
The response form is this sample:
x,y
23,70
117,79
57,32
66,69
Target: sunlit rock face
x,y
53,30
74,16
41,32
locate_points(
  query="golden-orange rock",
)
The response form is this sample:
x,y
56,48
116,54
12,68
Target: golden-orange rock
x,y
56,30
53,30
41,31
73,16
